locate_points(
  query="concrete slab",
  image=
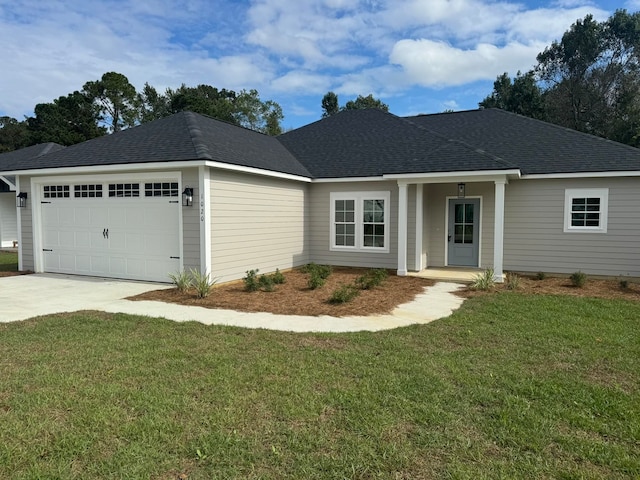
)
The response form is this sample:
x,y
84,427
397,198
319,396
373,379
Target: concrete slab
x,y
32,295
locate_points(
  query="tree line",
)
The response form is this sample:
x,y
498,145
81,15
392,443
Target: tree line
x,y
588,81
112,103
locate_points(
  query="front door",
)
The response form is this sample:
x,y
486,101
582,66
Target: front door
x,y
463,232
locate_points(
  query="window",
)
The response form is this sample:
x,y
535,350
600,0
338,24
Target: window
x,y
164,189
360,221
55,191
124,190
585,210
87,191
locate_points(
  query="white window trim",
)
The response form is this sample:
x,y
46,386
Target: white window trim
x,y
601,193
359,198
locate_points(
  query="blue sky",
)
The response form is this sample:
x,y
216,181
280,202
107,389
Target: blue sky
x,y
418,56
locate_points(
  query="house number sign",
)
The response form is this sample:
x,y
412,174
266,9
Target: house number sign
x,y
202,207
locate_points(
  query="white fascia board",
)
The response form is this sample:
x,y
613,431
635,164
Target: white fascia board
x,y
349,179
256,171
117,168
12,187
610,174
448,177
127,167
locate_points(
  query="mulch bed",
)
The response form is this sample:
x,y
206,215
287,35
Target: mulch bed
x,y
295,298
594,287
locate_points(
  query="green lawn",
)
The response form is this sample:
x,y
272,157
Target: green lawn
x,y
511,386
8,262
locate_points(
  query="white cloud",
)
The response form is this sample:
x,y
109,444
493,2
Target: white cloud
x,y
437,64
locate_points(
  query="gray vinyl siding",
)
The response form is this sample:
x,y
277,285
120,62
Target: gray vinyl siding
x,y
257,222
26,216
320,224
191,222
8,223
534,229
435,208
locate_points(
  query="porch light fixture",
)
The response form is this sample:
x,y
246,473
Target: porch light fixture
x,y
21,200
461,190
187,197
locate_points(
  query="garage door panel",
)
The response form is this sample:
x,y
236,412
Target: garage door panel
x,y
118,237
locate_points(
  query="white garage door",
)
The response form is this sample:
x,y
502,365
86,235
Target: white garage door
x,y
121,230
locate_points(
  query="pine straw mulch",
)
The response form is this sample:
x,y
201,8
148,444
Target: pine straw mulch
x,y
295,298
594,287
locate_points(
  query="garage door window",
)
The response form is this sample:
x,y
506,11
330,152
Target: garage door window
x,y
56,191
164,189
87,191
124,190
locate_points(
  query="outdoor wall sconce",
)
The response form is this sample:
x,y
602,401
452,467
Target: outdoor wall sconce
x,y
187,197
21,199
461,190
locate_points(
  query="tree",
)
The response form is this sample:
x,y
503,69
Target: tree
x,y
253,113
13,134
522,95
151,104
203,99
592,77
362,103
67,120
115,98
588,81
330,104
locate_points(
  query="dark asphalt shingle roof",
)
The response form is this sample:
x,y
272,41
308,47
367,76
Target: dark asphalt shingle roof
x,y
180,137
352,143
536,147
27,156
362,143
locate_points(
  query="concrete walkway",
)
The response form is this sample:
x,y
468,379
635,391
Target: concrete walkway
x,y
27,296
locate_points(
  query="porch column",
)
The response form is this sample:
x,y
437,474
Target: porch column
x,y
204,204
403,202
498,231
419,228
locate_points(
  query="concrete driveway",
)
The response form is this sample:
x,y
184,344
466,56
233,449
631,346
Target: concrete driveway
x,y
27,296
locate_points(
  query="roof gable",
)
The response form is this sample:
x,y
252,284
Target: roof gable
x,y
363,143
180,137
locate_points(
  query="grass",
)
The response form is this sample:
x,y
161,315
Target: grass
x,y
8,262
510,386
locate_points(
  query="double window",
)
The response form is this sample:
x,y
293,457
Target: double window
x,y
360,221
585,210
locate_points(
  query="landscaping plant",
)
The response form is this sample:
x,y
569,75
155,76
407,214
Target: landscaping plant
x,y
182,280
344,293
372,278
512,281
484,280
251,282
578,279
202,283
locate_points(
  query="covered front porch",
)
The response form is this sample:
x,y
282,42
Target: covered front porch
x,y
451,225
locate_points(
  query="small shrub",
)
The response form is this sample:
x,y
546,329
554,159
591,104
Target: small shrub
x,y
202,283
278,277
251,282
372,278
344,293
512,282
484,280
266,283
578,279
315,280
541,276
624,283
182,280
322,270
